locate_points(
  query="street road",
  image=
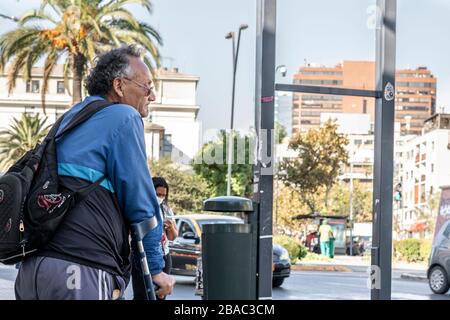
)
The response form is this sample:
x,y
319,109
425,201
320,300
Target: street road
x,y
301,285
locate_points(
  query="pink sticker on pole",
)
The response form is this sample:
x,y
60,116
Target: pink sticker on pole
x,y
267,99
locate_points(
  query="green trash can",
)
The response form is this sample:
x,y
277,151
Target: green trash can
x,y
228,260
228,253
331,247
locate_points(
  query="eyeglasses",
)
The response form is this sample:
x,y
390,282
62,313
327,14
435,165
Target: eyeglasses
x,y
148,90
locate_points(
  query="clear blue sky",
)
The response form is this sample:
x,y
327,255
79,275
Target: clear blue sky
x,y
320,31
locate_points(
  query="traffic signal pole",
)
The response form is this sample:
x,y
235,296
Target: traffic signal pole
x,y
381,263
264,124
381,269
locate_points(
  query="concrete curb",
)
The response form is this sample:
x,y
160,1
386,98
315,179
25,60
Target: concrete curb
x,y
409,276
300,267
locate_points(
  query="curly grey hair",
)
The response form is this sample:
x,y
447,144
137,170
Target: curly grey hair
x,y
111,65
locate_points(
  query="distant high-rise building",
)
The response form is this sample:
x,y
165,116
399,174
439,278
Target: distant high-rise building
x,y
415,95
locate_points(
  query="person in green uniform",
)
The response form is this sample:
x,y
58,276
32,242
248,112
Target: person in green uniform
x,y
326,236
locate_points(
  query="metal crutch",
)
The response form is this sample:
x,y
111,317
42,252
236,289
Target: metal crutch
x,y
139,231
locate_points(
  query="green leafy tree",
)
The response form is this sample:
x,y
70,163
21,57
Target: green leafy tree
x,y
211,164
186,190
24,134
287,205
76,30
362,201
321,155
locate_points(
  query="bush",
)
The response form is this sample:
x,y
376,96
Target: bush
x,y
425,249
311,256
412,250
303,252
295,249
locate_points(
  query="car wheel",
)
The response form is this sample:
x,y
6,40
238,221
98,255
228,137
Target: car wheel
x,y
438,280
277,282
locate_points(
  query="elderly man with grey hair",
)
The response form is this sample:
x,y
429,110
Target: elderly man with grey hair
x,y
89,255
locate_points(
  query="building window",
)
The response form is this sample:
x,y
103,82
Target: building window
x,y
32,86
60,87
31,110
167,145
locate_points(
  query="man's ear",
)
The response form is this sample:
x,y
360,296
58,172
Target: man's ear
x,y
117,87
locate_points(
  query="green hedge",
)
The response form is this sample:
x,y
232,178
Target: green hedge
x,y
412,250
425,249
295,249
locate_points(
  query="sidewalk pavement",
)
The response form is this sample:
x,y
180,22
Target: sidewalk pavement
x,y
343,263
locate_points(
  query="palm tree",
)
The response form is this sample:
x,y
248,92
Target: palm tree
x,y
77,30
23,135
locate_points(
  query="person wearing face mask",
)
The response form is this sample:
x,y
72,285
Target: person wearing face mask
x,y
169,233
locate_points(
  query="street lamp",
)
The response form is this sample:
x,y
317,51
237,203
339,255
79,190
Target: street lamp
x,y
231,35
9,17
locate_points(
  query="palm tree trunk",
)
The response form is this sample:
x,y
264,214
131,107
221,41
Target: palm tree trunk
x,y
79,62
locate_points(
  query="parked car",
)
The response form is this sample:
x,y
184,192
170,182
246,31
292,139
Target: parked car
x,y
185,250
439,262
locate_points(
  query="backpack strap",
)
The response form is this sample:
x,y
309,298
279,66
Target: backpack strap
x,y
84,192
83,115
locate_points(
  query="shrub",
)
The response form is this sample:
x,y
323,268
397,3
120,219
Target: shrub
x,y
425,249
412,250
294,248
310,256
303,252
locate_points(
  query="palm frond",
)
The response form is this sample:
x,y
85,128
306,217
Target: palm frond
x,y
35,15
80,28
23,135
113,5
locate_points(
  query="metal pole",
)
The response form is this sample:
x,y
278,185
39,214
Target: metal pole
x,y
351,209
381,270
264,124
230,139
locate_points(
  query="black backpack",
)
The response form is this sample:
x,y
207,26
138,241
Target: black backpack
x,y
32,201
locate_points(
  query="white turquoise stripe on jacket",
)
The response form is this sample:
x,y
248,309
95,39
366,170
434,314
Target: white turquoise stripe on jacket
x,y
77,171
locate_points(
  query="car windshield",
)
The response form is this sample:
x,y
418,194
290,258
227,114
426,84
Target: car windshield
x,y
202,222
